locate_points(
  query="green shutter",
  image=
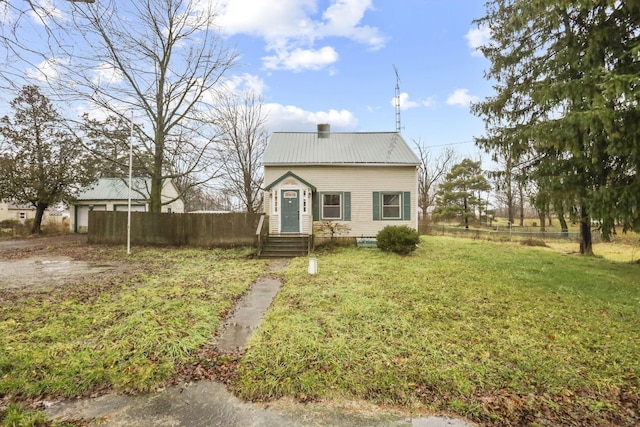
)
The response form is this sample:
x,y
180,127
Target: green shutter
x,y
346,206
406,206
315,202
376,206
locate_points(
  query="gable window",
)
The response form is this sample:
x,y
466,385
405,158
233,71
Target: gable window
x,y
331,206
391,205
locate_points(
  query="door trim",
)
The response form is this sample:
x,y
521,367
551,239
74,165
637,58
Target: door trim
x,y
286,200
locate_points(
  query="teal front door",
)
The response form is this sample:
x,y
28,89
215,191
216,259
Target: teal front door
x,y
290,202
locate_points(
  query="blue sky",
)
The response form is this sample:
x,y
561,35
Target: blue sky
x,y
332,61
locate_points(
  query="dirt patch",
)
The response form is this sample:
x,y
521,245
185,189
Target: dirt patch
x,y
45,272
42,263
12,248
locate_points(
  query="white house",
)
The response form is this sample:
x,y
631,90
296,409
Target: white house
x,y
112,194
361,180
10,210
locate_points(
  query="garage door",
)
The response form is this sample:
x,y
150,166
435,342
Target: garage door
x,y
82,217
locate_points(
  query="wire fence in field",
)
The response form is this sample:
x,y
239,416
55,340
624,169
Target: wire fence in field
x,y
503,234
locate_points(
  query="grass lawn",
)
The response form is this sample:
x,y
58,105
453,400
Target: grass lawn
x,y
126,332
498,332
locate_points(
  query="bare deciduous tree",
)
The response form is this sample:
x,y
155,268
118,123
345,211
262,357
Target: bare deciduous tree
x,y
161,61
432,171
240,120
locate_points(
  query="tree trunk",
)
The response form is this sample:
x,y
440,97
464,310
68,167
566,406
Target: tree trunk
x,y
563,224
466,214
543,219
586,244
40,208
155,195
521,190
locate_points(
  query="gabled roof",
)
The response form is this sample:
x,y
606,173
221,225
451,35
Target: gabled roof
x,y
343,148
117,189
287,175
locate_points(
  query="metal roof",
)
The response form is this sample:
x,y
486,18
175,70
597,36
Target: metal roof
x,y
348,148
116,189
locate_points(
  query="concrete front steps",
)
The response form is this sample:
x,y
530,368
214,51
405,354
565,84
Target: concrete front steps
x,y
285,246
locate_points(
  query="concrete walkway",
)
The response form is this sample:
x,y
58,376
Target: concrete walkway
x,y
207,403
247,316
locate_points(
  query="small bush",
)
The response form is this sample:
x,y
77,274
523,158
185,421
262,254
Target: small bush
x,y
13,228
399,239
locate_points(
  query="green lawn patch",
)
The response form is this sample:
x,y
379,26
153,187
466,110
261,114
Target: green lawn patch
x,y
500,333
126,332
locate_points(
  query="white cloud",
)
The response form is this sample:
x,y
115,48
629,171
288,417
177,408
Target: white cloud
x,y
406,103
477,37
462,98
301,59
291,28
342,19
43,11
106,73
47,70
238,84
289,118
245,83
270,20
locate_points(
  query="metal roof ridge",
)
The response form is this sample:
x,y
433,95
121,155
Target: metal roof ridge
x,y
339,132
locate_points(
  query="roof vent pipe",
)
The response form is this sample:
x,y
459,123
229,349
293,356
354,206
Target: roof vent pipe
x,y
324,130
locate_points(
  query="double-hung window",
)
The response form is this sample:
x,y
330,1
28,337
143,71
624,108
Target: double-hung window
x,y
391,205
331,206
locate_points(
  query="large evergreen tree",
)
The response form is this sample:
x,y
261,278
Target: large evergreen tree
x,y
41,161
459,194
566,76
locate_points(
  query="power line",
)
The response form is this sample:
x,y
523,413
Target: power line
x,y
451,143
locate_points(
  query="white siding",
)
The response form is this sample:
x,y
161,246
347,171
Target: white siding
x,y
169,192
361,182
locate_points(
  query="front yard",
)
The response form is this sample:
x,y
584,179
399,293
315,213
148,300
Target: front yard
x,y
497,332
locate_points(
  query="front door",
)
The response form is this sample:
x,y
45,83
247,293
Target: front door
x,y
290,202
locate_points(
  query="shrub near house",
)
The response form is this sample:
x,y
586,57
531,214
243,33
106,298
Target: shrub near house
x,y
399,239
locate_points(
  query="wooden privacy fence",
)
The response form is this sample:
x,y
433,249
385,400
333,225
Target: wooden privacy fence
x,y
193,229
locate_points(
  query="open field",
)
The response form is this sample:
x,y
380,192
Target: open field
x,y
497,332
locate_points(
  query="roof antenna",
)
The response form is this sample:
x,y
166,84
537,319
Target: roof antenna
x,y
397,101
